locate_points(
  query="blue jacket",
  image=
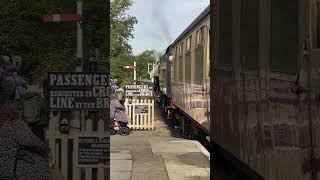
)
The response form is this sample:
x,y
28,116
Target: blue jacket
x,y
10,69
21,86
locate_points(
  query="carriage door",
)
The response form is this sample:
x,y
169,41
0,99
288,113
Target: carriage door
x,y
314,86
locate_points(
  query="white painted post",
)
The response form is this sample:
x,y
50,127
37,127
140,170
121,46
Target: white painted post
x,y
88,130
101,125
75,169
152,118
64,156
52,138
57,155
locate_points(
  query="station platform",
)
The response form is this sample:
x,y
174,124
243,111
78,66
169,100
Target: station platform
x,y
158,158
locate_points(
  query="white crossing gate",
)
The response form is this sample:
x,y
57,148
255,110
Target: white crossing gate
x,y
140,113
63,146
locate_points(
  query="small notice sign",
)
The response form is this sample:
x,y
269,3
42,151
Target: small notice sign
x,y
136,90
141,109
93,151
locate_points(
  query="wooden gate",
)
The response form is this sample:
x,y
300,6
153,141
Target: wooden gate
x,y
63,146
140,113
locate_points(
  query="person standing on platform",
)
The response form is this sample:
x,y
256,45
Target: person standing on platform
x,y
22,154
117,112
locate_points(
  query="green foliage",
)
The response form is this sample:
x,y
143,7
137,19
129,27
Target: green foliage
x,y
125,76
118,72
148,56
49,47
96,25
121,28
41,45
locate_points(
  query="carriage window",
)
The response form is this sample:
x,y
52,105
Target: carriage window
x,y
198,73
180,63
179,50
188,44
187,61
225,32
187,69
199,36
249,34
315,24
284,35
175,64
172,75
180,69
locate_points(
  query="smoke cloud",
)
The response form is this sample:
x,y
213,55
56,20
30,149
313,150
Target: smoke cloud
x,y
158,15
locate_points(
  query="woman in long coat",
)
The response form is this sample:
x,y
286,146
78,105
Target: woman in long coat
x,y
118,111
23,156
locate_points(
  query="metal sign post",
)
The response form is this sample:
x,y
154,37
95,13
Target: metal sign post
x,y
69,18
61,17
134,67
79,37
134,73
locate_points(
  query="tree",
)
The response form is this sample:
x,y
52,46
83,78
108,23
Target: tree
x,y
50,46
45,47
125,76
121,30
148,56
96,26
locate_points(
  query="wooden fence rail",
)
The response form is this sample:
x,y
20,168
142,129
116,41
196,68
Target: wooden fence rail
x,y
62,147
140,113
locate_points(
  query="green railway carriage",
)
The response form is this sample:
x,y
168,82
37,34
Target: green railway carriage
x,y
265,93
185,77
248,76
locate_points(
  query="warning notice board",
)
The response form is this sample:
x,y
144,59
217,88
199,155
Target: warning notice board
x,y
93,151
135,90
78,91
141,109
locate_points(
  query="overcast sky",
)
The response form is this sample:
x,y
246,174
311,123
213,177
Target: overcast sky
x,y
162,21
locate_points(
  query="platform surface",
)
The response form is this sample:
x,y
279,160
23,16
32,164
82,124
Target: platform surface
x,y
158,158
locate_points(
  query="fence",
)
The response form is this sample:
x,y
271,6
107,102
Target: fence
x,y
63,146
140,113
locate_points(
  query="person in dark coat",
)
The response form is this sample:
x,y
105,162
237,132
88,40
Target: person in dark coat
x,y
20,90
18,64
9,67
23,155
7,88
2,61
117,111
38,128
